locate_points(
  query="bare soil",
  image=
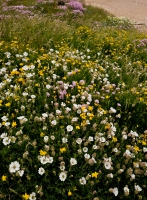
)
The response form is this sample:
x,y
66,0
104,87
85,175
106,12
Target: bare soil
x,y
135,10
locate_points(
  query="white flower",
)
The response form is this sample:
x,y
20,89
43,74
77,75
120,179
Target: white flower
x,y
41,171
3,135
85,149
86,155
144,149
7,124
94,146
115,191
102,139
64,140
25,54
107,165
20,172
6,141
43,160
48,86
32,196
62,176
14,166
73,161
126,190
50,159
54,122
52,137
138,188
25,94
58,112
13,139
82,181
44,115
69,128
46,139
74,119
62,167
33,96
4,118
90,138
110,175
124,137
112,110
79,140
132,176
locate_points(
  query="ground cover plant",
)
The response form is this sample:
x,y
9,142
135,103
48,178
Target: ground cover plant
x,y
73,104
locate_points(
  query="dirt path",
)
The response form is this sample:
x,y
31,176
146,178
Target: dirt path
x,y
135,10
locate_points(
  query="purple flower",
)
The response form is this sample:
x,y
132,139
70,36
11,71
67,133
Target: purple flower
x,y
75,5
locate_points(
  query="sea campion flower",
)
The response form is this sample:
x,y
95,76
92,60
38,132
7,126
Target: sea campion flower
x,y
41,171
14,167
73,161
82,181
62,176
126,190
32,196
69,128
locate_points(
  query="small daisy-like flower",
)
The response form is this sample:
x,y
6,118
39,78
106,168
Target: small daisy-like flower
x,y
6,141
73,161
20,172
138,188
46,138
79,140
41,171
107,165
50,159
62,176
126,190
115,191
64,140
32,196
14,166
69,128
82,181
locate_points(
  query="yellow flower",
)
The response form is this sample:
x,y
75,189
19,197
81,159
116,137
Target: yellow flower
x,y
107,126
4,178
90,108
14,124
77,127
25,196
1,102
107,97
62,149
144,142
21,64
69,193
136,148
7,104
95,174
42,153
41,134
114,139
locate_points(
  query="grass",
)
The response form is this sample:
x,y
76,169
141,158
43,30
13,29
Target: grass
x,y
73,104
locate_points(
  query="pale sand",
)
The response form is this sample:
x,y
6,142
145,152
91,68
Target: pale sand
x,y
135,10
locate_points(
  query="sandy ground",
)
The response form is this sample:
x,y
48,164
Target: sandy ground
x,y
135,10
